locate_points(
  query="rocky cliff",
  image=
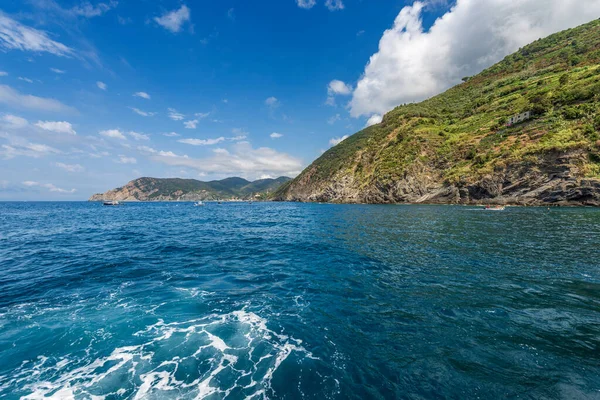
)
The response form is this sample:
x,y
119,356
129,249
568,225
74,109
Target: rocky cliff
x,y
174,189
457,147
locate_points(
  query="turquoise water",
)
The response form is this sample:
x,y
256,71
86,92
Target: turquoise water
x,y
295,301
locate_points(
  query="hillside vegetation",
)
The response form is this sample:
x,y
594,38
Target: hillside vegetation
x,y
175,189
456,147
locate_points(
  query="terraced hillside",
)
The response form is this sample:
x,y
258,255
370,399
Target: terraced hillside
x,y
457,148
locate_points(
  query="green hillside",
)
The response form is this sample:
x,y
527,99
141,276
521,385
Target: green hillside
x,y
166,189
456,147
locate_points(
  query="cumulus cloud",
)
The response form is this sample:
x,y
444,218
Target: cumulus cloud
x,y
412,64
70,167
16,36
138,136
101,85
306,4
142,113
87,10
143,95
48,186
13,121
334,119
13,98
242,159
191,124
174,20
338,140
334,5
174,115
337,87
56,126
20,147
275,135
374,120
202,142
126,160
272,102
113,133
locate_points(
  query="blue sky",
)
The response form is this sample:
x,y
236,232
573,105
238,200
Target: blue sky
x,y
94,94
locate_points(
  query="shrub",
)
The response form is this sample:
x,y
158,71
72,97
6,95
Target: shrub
x,y
572,113
564,79
597,122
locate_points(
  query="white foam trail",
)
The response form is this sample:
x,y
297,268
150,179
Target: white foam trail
x,y
248,357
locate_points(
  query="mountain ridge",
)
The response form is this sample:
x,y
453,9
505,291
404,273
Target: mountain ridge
x,y
178,189
456,147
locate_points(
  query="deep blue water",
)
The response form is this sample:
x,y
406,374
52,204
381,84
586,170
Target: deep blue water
x,y
295,301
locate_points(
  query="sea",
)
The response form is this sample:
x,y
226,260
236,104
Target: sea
x,y
298,301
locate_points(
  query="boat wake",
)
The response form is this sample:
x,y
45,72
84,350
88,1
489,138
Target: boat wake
x,y
218,355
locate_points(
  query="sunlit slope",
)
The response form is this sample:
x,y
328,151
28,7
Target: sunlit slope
x,y
456,147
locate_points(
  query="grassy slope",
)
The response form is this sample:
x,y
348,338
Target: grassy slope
x,y
461,132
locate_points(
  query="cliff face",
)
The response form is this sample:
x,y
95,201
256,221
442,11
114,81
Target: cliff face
x,y
553,178
458,148
155,189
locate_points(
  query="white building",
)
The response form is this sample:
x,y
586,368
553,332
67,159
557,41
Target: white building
x,y
517,119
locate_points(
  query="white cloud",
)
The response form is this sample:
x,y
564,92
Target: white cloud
x,y
126,160
48,186
15,36
334,5
101,85
272,102
191,124
56,126
240,132
142,113
143,95
202,115
138,136
57,71
20,147
14,121
13,98
171,134
336,141
3,73
412,64
334,119
220,151
202,142
373,120
306,4
335,88
275,135
174,115
242,159
87,10
113,133
174,20
70,167
21,78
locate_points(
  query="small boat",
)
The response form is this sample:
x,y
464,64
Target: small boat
x,y
198,204
112,203
495,208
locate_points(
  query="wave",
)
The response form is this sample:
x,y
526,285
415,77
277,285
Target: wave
x,y
218,355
